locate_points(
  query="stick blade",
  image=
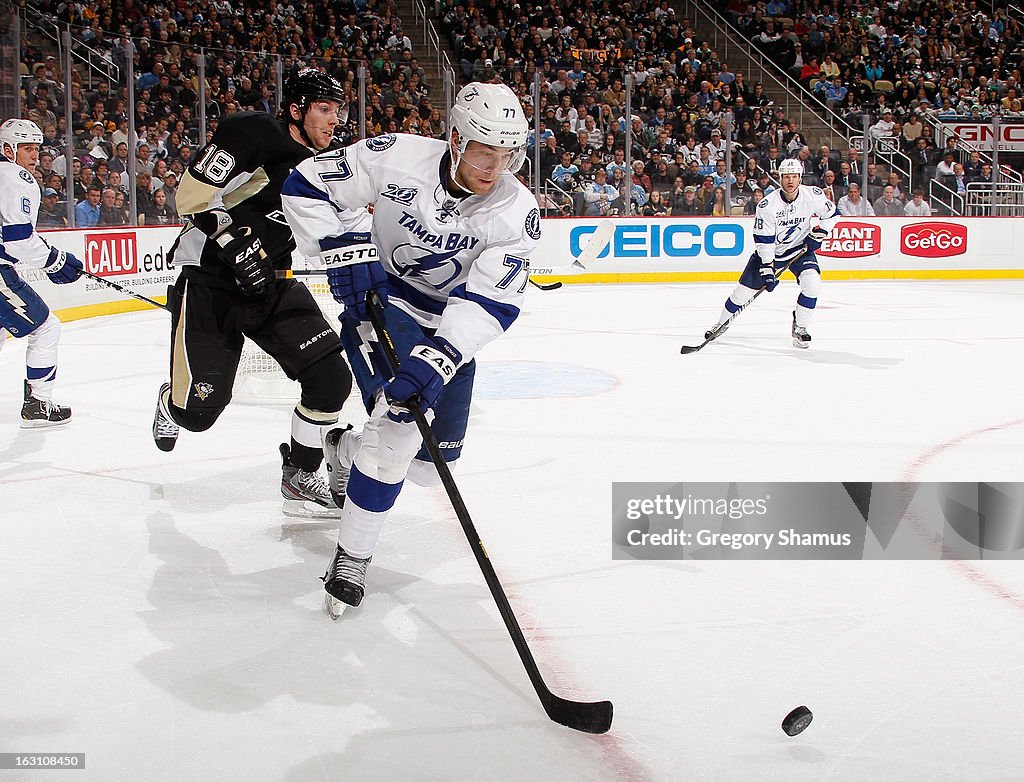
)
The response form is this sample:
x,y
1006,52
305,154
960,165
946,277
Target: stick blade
x,y
595,244
687,349
585,717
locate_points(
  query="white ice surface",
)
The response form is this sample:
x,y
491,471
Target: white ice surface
x,y
160,614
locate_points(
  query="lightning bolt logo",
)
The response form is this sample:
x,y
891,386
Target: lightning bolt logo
x,y
16,303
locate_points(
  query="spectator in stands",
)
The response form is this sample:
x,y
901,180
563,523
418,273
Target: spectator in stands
x,y
641,178
972,168
688,204
829,187
888,205
50,213
158,213
945,166
599,195
750,207
722,175
852,205
706,190
717,205
883,127
109,213
895,181
958,180
875,183
119,162
565,172
656,205
825,161
87,211
917,206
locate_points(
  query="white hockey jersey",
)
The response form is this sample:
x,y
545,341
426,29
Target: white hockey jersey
x,y
458,266
781,226
19,207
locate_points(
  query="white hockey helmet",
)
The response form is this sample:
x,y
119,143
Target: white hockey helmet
x,y
791,166
18,131
490,114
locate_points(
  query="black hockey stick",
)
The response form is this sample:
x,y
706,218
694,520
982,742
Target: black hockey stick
x,y
124,290
551,286
586,717
687,349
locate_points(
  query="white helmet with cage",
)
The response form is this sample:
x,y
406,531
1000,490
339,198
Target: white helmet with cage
x,y
791,166
490,114
18,131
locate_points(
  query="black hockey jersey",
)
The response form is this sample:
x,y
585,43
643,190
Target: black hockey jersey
x,y
240,171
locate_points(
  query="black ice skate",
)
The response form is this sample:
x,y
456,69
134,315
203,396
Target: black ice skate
x,y
305,493
344,582
801,338
39,413
165,431
337,450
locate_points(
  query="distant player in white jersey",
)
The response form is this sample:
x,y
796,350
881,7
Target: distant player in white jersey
x,y
447,251
789,225
22,311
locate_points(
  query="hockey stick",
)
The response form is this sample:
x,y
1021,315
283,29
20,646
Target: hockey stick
x,y
688,349
551,286
595,244
586,717
124,290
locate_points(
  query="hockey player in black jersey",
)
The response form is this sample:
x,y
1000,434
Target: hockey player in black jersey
x,y
234,253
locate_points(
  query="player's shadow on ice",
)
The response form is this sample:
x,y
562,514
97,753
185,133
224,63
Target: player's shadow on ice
x,y
25,443
832,357
408,659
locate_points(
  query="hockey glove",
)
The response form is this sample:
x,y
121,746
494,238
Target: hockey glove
x,y
815,238
353,271
430,365
768,278
62,267
243,251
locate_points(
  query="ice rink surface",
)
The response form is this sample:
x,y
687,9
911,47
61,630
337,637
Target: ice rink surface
x,y
161,615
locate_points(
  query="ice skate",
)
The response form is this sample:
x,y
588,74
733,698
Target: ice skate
x,y
716,331
40,413
344,582
338,447
165,431
305,493
801,338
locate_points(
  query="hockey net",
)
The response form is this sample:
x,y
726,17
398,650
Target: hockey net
x,y
259,379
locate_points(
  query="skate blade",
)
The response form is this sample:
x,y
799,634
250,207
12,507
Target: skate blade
x,y
44,424
307,509
802,345
334,607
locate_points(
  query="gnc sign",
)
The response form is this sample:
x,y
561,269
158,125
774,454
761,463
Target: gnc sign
x,y
980,135
933,240
111,253
852,240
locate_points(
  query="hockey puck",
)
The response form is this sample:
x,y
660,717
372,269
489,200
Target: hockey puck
x,y
797,720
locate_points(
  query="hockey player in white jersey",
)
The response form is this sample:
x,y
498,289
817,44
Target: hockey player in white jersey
x,y
789,225
447,251
22,311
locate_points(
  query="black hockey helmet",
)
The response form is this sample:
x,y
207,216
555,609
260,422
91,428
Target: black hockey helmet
x,y
310,85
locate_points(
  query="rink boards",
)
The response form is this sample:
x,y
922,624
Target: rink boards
x,y
641,250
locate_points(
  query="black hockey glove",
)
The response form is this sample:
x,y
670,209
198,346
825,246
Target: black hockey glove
x,y
243,251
